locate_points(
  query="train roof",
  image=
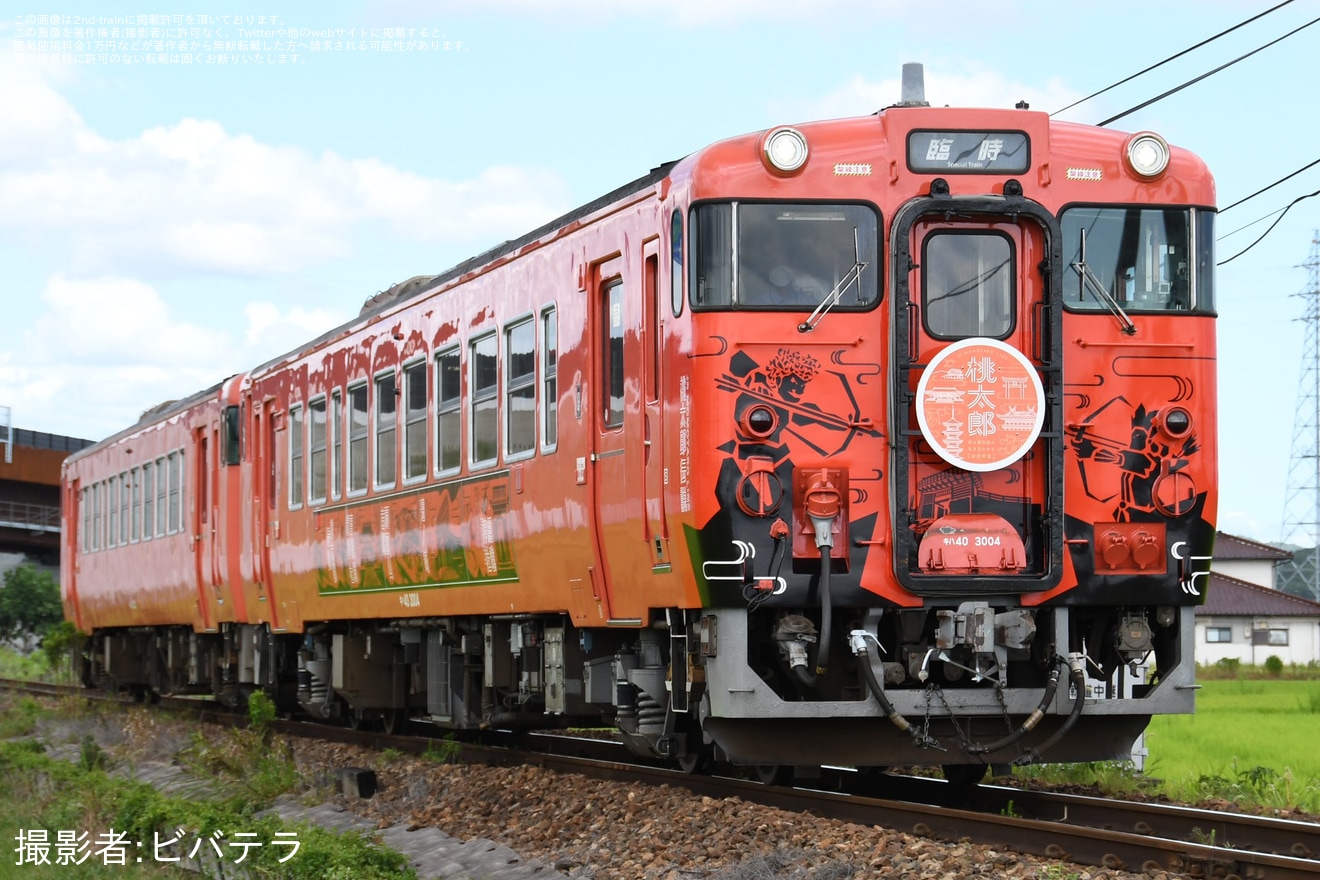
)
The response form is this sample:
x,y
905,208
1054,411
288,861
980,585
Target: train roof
x,y
150,416
406,289
418,284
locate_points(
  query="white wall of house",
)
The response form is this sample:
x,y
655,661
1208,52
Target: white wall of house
x,y
1255,571
1301,634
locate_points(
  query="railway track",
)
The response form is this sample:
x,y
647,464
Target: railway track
x,y
1117,834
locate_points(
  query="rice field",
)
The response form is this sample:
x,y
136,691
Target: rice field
x,y
1252,741
1249,739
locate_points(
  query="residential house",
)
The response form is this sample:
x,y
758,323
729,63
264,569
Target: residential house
x,y
1244,617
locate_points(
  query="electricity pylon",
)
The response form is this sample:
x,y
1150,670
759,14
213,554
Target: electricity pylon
x,y
1301,507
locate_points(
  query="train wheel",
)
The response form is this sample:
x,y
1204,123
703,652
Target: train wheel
x,y
695,763
773,774
356,718
395,721
964,775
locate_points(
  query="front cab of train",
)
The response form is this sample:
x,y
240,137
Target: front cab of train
x,y
962,373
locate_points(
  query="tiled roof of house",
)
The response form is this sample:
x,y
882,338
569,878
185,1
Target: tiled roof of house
x,y
1237,598
1234,547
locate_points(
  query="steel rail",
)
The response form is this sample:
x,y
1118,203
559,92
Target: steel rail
x,y
1171,821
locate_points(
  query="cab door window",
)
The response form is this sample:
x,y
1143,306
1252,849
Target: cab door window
x,y
967,285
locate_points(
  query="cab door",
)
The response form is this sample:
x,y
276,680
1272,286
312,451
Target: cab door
x,y
653,420
979,486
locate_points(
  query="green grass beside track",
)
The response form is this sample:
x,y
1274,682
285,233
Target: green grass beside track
x,y
1253,740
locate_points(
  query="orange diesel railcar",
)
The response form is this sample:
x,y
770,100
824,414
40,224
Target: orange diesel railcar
x,y
829,443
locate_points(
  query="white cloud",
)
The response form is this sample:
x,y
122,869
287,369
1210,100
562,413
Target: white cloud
x,y
115,322
106,349
1239,522
271,331
948,83
193,197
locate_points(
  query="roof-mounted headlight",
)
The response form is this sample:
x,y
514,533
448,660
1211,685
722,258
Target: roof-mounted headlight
x,y
785,150
1147,154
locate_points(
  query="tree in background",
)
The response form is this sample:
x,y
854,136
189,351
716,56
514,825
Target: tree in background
x,y
29,606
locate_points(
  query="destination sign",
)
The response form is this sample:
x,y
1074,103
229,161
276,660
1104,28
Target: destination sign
x,y
969,152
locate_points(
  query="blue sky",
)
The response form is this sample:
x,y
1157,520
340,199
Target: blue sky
x,y
165,225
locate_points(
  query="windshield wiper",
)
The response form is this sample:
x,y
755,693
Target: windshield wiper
x,y
830,301
1101,293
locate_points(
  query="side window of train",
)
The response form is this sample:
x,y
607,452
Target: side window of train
x,y
357,439
148,501
93,537
520,388
136,529
233,436
336,441
485,400
448,411
676,263
387,420
414,420
102,514
112,506
549,380
967,284
611,352
162,493
295,457
316,450
125,504
175,460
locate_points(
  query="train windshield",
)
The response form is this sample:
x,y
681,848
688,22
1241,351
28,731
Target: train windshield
x,y
1145,259
783,256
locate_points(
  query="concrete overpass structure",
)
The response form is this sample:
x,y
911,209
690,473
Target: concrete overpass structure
x,y
30,490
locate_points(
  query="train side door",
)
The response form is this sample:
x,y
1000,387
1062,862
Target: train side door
x,y
74,534
264,497
618,433
979,485
203,537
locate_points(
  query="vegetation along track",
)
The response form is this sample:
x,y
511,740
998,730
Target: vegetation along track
x,y
1087,830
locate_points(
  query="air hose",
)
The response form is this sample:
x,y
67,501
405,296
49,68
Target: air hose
x,y
1078,678
873,683
823,502
1051,685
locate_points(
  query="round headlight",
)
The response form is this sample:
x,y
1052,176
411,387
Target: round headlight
x,y
786,149
1148,154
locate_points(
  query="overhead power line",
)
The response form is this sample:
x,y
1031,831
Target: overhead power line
x,y
1272,225
1207,74
1173,57
1270,186
1228,235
